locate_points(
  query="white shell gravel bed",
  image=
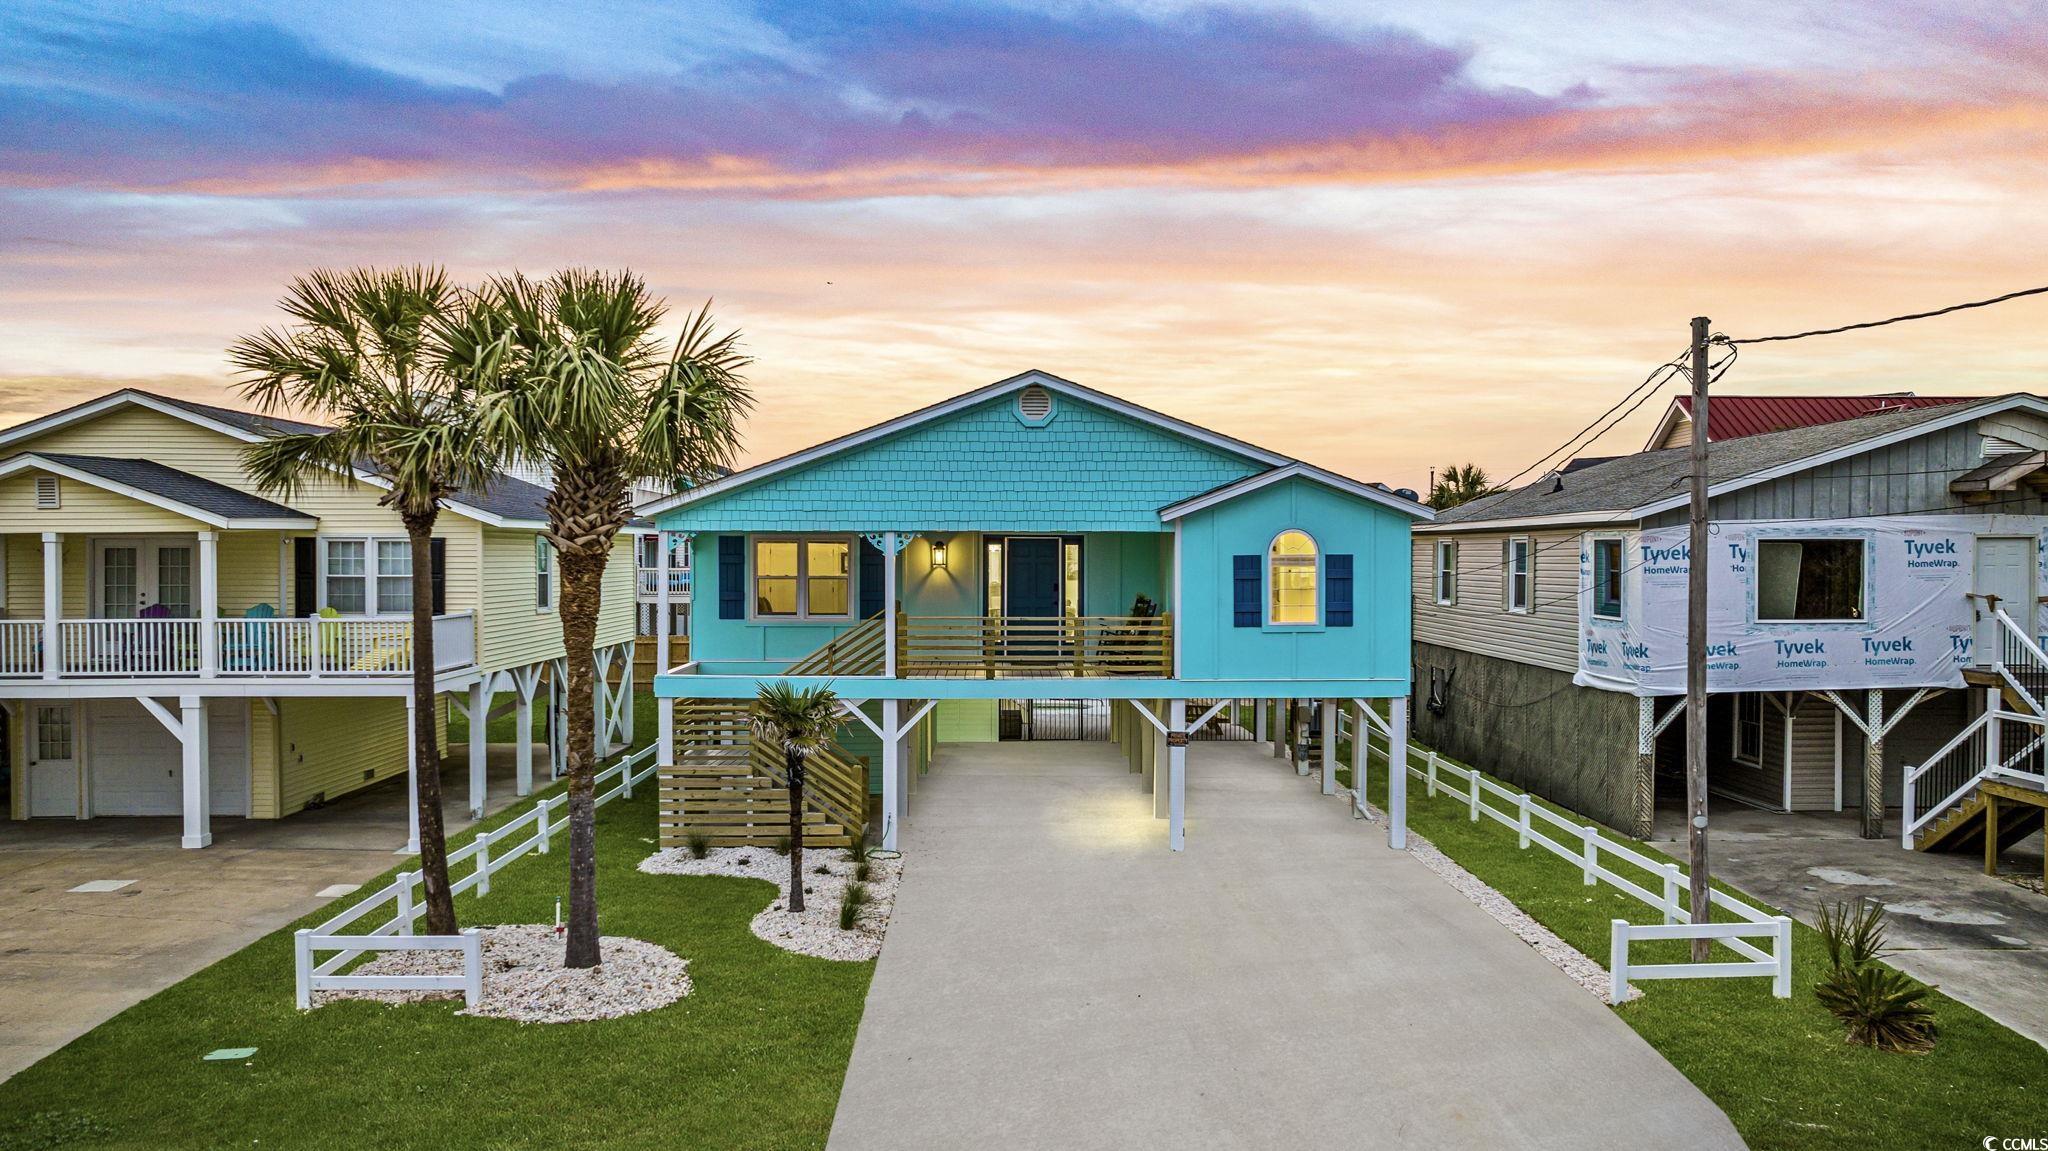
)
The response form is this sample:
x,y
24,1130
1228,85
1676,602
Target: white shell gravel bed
x,y
815,932
1568,959
524,979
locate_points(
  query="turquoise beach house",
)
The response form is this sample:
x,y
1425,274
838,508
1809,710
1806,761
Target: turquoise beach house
x,y
1029,551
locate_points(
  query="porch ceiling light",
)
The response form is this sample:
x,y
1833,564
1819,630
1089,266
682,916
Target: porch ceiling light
x,y
938,554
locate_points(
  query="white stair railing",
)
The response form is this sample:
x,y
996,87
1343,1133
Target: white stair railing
x,y
1958,766
2021,662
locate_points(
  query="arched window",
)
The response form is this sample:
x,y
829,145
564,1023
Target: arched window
x,y
1291,579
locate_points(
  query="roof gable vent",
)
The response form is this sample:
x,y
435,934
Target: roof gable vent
x,y
46,491
1034,406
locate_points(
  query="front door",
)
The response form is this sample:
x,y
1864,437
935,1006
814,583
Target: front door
x,y
1031,592
2005,568
134,575
53,759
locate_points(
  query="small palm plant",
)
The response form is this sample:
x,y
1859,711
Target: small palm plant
x,y
801,723
371,350
1881,1006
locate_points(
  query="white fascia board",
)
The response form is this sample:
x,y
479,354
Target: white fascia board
x,y
92,409
1564,519
1305,471
946,408
1969,412
1669,420
30,460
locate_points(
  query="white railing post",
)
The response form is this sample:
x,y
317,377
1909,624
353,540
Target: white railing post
x,y
545,834
302,961
318,658
1671,893
483,864
1617,961
1522,820
1906,817
1781,985
405,902
1472,780
1429,769
472,967
1592,848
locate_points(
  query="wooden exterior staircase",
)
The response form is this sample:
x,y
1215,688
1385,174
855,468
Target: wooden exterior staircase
x,y
732,789
2018,813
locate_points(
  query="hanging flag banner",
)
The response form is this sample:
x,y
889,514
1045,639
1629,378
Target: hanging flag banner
x,y
1794,605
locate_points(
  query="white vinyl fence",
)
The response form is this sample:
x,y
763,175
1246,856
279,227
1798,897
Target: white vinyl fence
x,y
1592,852
396,933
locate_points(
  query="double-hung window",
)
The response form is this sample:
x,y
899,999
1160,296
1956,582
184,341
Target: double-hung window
x,y
1607,573
345,572
1749,729
803,577
1447,571
394,577
543,573
1518,572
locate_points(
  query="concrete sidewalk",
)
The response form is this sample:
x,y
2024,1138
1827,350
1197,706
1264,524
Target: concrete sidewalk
x,y
71,960
1056,978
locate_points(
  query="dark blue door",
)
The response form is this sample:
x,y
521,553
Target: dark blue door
x,y
1031,576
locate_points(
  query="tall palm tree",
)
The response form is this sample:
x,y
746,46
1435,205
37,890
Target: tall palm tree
x,y
592,390
1460,483
368,349
801,723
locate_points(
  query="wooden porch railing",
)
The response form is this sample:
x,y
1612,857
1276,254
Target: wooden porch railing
x,y
993,647
856,651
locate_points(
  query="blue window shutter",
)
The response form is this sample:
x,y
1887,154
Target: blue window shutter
x,y
1244,584
732,577
871,580
1337,605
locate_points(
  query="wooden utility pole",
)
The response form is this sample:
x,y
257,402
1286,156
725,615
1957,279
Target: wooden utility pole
x,y
1696,650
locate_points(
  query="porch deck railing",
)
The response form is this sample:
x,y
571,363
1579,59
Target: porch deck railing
x,y
998,647
648,583
310,647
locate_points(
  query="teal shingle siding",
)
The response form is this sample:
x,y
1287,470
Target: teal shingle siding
x,y
1089,469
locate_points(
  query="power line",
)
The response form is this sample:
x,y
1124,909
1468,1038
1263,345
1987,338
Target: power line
x,y
1656,376
1891,320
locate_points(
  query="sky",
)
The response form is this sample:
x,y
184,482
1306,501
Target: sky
x,y
1379,237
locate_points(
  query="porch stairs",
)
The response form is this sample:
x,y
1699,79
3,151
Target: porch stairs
x,y
732,789
1991,779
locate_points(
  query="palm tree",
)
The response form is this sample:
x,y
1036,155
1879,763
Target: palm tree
x,y
801,723
591,390
1460,483
368,350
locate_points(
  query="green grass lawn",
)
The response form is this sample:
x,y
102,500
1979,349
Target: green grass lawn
x,y
1778,1068
753,1057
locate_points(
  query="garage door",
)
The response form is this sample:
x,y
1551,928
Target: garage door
x,y
136,760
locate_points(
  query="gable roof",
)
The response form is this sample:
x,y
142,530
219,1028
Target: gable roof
x,y
166,487
934,412
503,502
1234,489
1733,417
1632,487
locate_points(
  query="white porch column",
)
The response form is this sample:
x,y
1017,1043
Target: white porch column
x,y
209,603
412,777
479,748
1259,720
523,683
198,784
889,604
1328,708
892,779
1397,773
1177,772
53,603
1361,746
664,564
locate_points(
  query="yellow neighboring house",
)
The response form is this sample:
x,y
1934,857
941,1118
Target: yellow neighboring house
x,y
176,643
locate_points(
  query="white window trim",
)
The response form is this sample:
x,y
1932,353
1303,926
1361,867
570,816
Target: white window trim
x,y
803,577
1593,576
369,576
1270,622
1507,575
1863,585
1436,591
1735,733
542,547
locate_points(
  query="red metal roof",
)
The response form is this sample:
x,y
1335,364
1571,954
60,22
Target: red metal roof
x,y
1735,416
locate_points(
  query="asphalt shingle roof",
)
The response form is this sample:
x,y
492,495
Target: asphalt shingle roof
x,y
1646,477
181,487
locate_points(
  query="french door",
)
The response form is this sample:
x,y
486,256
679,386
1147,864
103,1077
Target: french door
x,y
132,575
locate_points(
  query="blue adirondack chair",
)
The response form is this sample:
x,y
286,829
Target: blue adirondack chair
x,y
246,648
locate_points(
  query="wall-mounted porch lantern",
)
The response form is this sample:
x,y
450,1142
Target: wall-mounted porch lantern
x,y
938,555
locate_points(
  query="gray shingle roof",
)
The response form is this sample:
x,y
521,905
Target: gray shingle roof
x,y
507,498
252,422
180,487
1646,477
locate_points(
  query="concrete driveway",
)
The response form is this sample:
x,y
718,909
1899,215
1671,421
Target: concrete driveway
x,y
71,960
1054,977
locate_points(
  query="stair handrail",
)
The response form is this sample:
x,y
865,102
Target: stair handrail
x,y
2013,631
1909,824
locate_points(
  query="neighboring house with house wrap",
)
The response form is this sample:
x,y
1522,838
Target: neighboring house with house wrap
x,y
1872,576
178,643
1032,541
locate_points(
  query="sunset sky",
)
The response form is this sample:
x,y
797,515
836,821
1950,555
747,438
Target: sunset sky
x,y
1376,237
